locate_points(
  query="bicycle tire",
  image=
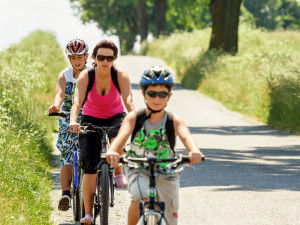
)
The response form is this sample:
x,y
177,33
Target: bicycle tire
x,y
76,197
151,220
76,206
104,194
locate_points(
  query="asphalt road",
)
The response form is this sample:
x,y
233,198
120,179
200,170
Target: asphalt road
x,y
251,174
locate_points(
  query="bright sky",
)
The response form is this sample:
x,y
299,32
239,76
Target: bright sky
x,y
18,18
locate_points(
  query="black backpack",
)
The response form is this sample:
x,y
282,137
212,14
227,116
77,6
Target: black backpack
x,y
91,73
140,119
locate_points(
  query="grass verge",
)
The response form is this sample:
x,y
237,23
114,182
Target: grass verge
x,y
261,81
28,73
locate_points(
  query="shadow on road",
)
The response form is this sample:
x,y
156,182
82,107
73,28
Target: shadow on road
x,y
260,169
238,130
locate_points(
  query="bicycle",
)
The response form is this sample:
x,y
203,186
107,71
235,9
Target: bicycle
x,y
152,211
76,192
105,183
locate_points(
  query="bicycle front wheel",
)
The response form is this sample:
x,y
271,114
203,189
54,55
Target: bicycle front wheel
x,y
76,195
151,220
104,194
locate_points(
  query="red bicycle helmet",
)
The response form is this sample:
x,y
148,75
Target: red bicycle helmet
x,y
77,47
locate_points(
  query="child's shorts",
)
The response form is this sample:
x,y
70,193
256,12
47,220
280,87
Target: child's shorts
x,y
67,141
167,190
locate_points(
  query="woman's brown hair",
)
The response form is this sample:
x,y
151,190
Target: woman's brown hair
x,y
105,44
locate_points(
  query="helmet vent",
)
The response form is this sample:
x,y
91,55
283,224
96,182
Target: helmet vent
x,y
157,73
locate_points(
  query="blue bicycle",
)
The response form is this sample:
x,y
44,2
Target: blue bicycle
x,y
76,192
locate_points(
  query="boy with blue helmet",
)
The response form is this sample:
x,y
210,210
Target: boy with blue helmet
x,y
152,139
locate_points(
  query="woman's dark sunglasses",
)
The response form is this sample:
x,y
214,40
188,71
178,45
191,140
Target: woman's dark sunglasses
x,y
103,57
161,94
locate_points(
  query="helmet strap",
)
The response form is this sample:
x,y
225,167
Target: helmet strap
x,y
154,111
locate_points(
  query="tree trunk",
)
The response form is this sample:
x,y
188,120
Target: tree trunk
x,y
133,27
143,19
160,7
127,39
225,21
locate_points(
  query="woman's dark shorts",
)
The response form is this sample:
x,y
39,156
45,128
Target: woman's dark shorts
x,y
90,143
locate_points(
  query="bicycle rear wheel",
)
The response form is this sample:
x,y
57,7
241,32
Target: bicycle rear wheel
x,y
104,194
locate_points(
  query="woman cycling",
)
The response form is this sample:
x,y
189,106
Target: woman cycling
x,y
67,142
103,107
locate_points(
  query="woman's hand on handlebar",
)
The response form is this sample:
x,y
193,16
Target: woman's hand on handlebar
x,y
113,158
74,127
195,157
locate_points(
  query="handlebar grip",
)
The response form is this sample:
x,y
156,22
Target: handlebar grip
x,y
185,159
58,114
122,159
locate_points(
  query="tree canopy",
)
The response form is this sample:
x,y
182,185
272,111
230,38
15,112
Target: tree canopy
x,y
129,18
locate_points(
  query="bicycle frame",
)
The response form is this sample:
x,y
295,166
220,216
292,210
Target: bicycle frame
x,y
75,169
145,212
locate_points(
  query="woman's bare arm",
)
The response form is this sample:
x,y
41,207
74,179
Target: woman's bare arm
x,y
126,91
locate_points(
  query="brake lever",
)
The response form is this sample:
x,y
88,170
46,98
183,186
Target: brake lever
x,y
84,130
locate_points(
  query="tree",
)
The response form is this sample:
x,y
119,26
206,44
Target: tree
x,y
225,20
112,17
187,15
143,19
160,7
274,14
265,12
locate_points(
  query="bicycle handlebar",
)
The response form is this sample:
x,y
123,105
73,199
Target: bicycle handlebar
x,y
62,114
93,128
181,159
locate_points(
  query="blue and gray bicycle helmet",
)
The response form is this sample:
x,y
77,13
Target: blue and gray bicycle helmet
x,y
77,47
156,75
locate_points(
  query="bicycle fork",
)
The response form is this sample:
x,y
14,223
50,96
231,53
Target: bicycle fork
x,y
148,208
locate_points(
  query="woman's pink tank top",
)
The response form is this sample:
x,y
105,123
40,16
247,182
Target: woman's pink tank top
x,y
103,107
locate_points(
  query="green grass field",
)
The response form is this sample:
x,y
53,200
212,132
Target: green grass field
x,y
28,74
262,81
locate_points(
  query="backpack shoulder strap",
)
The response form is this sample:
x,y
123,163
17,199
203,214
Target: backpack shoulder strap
x,y
91,73
114,76
141,113
170,130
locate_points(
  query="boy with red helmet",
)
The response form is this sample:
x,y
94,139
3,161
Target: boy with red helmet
x,y
67,142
